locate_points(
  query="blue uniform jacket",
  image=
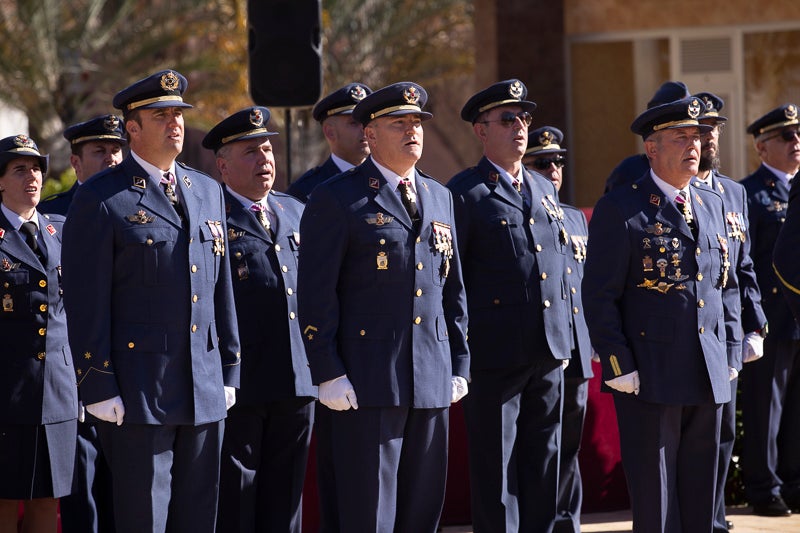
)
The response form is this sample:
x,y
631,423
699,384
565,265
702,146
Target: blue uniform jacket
x,y
37,385
150,304
653,293
514,264
627,171
377,301
302,187
264,271
768,199
786,256
580,365
741,297
58,203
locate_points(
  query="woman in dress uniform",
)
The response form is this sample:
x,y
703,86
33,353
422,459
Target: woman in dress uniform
x,y
38,393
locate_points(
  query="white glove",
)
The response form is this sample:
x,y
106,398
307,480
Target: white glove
x,y
595,356
752,347
564,364
111,410
628,383
230,396
81,412
732,373
459,388
338,394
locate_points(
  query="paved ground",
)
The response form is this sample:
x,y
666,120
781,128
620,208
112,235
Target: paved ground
x,y
620,522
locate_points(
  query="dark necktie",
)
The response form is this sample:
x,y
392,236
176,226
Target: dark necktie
x,y
261,214
522,192
407,197
682,201
29,230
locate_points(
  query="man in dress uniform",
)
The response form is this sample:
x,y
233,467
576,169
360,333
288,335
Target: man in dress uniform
x,y
631,168
96,145
546,154
343,133
513,246
152,321
771,385
384,319
652,290
745,322
268,431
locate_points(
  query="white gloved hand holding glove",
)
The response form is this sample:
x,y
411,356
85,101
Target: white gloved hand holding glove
x,y
752,347
112,410
628,383
564,364
732,373
338,394
458,387
230,396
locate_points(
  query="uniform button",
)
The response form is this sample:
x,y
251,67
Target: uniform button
x,y
195,298
641,333
194,328
277,247
284,268
573,290
702,329
42,332
420,266
530,221
783,220
418,240
238,255
289,291
569,270
131,345
6,285
774,290
292,315
544,275
546,303
698,251
149,242
418,320
575,310
40,356
43,308
362,332
194,268
699,276
496,301
382,241
701,303
191,240
418,292
503,223
43,283
538,247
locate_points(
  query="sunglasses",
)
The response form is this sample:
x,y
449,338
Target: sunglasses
x,y
786,135
544,162
508,119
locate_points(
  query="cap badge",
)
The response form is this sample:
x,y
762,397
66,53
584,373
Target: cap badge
x,y
111,122
169,81
23,141
709,105
411,95
256,118
694,109
358,93
790,112
515,89
545,138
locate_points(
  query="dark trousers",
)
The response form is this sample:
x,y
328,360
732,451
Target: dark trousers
x,y
570,491
264,457
770,415
326,482
727,437
513,418
669,454
88,509
165,478
390,466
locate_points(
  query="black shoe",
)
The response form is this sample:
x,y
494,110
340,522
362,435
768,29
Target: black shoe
x,y
729,524
775,506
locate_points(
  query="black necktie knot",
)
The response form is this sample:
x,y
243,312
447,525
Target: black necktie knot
x,y
28,229
407,197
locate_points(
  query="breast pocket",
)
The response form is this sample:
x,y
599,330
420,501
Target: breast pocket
x,y
148,246
14,294
507,235
380,256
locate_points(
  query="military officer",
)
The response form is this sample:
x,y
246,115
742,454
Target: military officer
x,y
95,145
513,246
37,388
771,385
152,318
631,168
741,297
268,431
652,290
343,133
546,154
383,314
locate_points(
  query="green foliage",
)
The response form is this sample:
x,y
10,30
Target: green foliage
x,y
56,184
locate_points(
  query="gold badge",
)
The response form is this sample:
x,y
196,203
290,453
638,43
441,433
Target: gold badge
x,y
694,108
382,261
515,90
111,122
546,138
309,332
374,183
791,112
647,263
139,182
169,81
141,217
23,141
411,95
8,304
655,200
256,117
357,93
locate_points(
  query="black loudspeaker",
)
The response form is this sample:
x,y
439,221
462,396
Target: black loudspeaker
x,y
284,46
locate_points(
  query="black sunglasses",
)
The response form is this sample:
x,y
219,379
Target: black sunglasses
x,y
786,135
508,119
544,163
